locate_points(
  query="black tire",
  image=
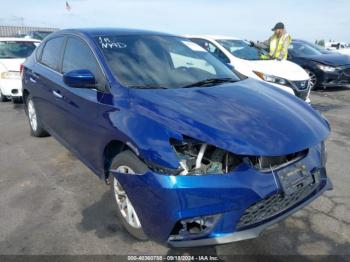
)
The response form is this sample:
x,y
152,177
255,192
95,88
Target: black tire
x,y
17,100
2,97
128,158
37,130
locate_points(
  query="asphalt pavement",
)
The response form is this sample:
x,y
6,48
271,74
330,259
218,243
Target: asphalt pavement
x,y
50,203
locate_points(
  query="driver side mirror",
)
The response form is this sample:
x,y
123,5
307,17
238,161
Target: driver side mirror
x,y
79,79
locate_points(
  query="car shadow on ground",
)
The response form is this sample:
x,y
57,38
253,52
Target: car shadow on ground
x,y
101,217
18,106
325,107
332,89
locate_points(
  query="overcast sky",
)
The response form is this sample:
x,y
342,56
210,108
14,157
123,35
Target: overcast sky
x,y
249,19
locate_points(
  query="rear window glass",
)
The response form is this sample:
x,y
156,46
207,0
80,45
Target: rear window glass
x,y
16,49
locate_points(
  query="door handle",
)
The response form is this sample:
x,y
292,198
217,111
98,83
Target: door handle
x,y
57,94
33,77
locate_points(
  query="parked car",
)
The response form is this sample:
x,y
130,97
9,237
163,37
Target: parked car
x,y
195,154
40,35
339,47
253,62
13,52
332,45
325,68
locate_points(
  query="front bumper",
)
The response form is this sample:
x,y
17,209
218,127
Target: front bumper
x,y
339,78
161,201
252,232
11,88
302,93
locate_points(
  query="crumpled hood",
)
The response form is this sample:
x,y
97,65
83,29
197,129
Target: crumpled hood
x,y
332,59
284,69
248,117
11,64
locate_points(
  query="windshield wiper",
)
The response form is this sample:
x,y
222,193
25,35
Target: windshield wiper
x,y
211,81
147,87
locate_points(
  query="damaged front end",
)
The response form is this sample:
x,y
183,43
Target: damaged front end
x,y
198,158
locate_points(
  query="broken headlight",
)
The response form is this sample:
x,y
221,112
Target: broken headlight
x,y
198,158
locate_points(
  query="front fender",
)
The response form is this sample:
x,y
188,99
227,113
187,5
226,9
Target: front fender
x,y
153,147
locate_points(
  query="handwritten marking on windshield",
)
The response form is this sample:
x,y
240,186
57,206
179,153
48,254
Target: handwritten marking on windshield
x,y
105,42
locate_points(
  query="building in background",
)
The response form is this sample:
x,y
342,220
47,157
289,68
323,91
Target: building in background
x,y
22,31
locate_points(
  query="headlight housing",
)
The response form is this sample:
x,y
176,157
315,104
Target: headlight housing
x,y
326,68
272,79
198,158
10,75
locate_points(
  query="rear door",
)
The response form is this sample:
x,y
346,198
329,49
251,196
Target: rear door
x,y
45,77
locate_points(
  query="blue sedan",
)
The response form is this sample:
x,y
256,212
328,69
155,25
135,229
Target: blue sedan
x,y
195,155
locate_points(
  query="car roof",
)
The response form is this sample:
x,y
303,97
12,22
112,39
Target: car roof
x,y
19,39
92,32
300,40
213,37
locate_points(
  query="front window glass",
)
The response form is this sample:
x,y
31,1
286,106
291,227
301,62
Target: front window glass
x,y
51,53
243,49
151,61
13,49
78,55
319,48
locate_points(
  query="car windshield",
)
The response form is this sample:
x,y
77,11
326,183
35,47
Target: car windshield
x,y
16,49
152,61
319,48
243,49
305,49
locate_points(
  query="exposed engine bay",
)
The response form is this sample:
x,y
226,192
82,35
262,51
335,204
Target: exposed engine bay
x,y
197,158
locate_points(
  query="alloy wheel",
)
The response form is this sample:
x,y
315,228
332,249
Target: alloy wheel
x,y
313,79
32,115
125,207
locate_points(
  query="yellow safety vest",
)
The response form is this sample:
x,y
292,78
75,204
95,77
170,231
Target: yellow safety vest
x,y
277,46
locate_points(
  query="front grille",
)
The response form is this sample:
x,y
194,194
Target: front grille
x,y
301,85
272,206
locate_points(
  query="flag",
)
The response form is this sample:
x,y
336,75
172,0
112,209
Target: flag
x,y
68,8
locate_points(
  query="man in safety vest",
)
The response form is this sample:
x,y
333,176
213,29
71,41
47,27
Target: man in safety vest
x,y
279,42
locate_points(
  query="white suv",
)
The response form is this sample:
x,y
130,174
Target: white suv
x,y
253,62
13,52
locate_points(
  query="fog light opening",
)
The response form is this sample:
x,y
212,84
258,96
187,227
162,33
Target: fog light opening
x,y
193,227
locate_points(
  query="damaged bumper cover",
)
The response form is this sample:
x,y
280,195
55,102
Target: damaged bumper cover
x,y
339,78
255,231
214,209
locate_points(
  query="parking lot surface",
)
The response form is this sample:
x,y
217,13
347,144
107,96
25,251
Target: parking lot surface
x,y
50,203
